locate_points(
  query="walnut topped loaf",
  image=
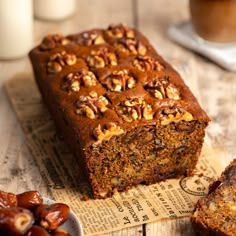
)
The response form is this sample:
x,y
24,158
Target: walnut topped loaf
x,y
124,111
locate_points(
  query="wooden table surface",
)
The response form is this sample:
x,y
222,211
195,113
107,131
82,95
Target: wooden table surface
x,y
214,87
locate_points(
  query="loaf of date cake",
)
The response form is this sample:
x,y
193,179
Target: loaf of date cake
x,y
125,113
215,214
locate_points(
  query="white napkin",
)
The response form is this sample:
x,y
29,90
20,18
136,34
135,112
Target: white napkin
x,y
223,54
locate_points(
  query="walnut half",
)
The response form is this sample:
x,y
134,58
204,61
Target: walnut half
x,y
135,109
90,38
119,80
73,81
174,114
92,105
146,63
106,132
131,46
60,59
120,31
162,88
101,58
52,41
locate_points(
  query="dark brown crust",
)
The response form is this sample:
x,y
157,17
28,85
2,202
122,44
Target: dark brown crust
x,y
207,223
78,129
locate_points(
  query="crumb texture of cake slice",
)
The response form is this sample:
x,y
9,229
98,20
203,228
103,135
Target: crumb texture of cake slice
x,y
215,214
126,114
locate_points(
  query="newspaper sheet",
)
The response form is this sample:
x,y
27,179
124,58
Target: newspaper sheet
x,y
65,181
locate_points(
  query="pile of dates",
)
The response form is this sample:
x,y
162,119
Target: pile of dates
x,y
25,214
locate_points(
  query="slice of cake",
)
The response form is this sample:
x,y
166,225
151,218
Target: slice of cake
x,y
215,214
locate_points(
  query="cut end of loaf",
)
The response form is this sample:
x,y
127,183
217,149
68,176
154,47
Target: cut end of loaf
x,y
144,155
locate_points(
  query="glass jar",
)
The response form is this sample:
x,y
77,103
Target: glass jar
x,y
214,20
54,9
16,28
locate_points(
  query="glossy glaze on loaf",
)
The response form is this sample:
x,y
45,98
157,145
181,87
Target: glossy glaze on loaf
x,y
125,113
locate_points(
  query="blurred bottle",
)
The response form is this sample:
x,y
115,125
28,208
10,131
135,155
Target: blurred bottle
x,y
54,9
214,20
16,28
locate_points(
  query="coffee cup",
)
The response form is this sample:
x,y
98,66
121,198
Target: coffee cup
x,y
214,20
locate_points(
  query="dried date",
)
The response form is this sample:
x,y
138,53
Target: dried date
x,y
29,199
15,220
60,232
52,216
36,230
25,214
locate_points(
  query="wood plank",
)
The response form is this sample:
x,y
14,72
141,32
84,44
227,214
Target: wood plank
x,y
178,227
